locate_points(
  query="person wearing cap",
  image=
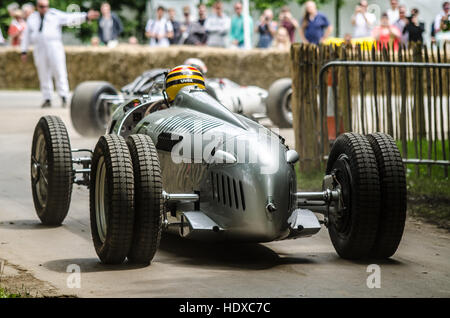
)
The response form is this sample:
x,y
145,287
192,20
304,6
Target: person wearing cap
x,y
44,31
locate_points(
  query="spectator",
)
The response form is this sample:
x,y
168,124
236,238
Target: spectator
x,y
237,26
109,25
193,33
433,33
288,22
282,40
393,12
401,23
175,26
442,24
414,28
386,34
201,31
2,39
266,29
16,28
28,9
159,31
12,7
348,40
133,40
363,21
95,41
315,27
217,26
202,14
44,32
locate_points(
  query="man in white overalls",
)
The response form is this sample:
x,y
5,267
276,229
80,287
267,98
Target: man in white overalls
x,y
44,32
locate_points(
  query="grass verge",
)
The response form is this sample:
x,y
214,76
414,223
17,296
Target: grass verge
x,y
5,294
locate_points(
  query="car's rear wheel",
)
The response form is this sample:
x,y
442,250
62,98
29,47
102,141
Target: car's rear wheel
x,y
393,195
279,108
51,170
111,199
89,113
148,199
354,227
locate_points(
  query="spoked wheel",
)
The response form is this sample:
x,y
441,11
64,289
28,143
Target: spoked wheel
x,y
353,227
111,199
393,195
148,199
51,170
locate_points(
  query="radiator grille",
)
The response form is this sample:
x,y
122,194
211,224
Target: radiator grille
x,y
187,123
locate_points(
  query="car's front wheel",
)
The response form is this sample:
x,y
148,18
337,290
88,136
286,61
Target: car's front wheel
x,y
51,170
148,199
112,199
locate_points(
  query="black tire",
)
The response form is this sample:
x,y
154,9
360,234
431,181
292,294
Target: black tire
x,y
393,195
148,199
89,116
51,170
353,230
111,191
278,103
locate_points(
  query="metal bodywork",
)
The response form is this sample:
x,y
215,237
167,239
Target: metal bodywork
x,y
247,100
235,199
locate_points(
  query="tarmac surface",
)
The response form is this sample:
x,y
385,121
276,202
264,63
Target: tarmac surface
x,y
307,267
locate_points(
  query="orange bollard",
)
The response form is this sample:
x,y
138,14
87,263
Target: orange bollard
x,y
331,119
331,122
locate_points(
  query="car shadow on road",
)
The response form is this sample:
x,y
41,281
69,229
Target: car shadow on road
x,y
87,265
222,255
26,225
176,250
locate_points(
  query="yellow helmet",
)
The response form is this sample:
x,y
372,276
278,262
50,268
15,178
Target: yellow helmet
x,y
180,77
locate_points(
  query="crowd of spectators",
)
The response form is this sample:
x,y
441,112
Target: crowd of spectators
x,y
398,25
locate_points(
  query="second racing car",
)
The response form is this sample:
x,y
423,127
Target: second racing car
x,y
93,102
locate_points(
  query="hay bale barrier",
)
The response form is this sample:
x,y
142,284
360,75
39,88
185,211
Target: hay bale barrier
x,y
122,64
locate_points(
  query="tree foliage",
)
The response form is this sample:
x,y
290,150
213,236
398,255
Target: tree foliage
x,y
134,26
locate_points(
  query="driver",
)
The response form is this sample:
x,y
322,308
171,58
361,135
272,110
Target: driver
x,y
198,64
177,78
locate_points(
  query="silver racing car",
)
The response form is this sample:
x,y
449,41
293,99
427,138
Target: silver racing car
x,y
196,169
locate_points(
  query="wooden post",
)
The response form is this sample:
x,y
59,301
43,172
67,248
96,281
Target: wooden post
x,y
304,92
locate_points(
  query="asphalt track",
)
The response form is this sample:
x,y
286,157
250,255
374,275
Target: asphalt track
x,y
307,267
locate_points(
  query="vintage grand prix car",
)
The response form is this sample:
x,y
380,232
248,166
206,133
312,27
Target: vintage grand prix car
x,y
91,113
199,170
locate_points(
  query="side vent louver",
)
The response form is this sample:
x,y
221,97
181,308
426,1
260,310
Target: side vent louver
x,y
227,191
